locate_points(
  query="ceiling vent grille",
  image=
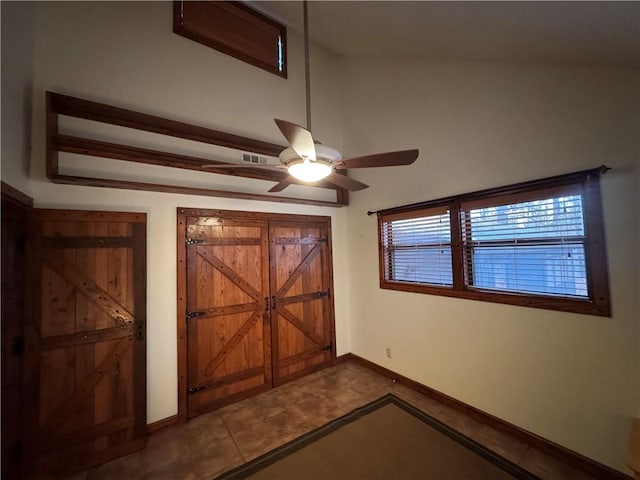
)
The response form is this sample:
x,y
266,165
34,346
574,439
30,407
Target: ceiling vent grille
x,y
253,158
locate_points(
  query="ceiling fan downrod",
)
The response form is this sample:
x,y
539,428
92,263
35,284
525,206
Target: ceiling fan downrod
x,y
307,77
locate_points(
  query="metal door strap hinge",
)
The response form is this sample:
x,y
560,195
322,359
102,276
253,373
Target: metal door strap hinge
x,y
190,315
327,348
139,330
197,389
326,293
193,241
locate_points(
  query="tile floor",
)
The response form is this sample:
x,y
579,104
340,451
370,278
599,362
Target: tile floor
x,y
210,444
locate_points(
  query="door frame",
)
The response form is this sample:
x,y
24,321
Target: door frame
x,y
182,214
14,314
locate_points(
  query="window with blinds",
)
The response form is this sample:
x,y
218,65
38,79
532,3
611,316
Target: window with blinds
x,y
418,249
535,246
538,244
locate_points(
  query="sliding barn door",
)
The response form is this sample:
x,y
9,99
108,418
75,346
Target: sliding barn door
x,y
86,340
228,331
302,313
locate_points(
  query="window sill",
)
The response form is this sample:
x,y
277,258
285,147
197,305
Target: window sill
x,y
587,307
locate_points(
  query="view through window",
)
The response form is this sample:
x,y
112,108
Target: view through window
x,y
537,244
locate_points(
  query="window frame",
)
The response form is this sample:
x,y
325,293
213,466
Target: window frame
x,y
241,37
430,212
586,182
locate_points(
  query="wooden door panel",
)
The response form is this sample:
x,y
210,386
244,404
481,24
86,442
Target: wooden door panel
x,y
305,318
298,267
306,363
76,295
226,344
97,376
300,341
225,391
226,268
236,363
59,297
90,363
228,326
300,278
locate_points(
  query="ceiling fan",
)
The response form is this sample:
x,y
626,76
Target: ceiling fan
x,y
309,161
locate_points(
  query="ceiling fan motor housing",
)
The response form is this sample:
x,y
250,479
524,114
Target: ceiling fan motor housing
x,y
323,152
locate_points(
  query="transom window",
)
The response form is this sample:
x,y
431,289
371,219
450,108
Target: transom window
x,y
538,244
235,29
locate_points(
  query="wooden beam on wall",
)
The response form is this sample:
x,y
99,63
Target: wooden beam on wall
x,y
58,104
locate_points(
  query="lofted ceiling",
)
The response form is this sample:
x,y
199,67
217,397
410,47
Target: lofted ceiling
x,y
596,34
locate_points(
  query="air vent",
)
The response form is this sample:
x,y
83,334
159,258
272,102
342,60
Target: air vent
x,y
253,158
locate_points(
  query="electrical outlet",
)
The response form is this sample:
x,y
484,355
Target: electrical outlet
x,y
388,352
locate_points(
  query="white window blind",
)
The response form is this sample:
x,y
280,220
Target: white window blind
x,y
534,247
419,249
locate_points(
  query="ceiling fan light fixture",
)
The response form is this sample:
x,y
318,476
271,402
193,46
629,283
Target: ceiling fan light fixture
x,y
308,171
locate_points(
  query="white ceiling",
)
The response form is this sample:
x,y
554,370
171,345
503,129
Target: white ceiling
x,y
603,34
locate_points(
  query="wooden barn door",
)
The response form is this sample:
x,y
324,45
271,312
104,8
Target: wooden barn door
x,y
257,304
227,315
302,313
87,367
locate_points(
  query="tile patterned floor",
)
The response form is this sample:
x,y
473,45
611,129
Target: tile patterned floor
x,y
218,441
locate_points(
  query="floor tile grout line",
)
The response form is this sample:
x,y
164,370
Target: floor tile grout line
x,y
233,439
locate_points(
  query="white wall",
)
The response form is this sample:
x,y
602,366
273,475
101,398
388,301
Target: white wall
x,y
571,378
126,54
17,72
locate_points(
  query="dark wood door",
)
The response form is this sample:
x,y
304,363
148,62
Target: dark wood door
x,y
228,330
14,234
87,365
302,309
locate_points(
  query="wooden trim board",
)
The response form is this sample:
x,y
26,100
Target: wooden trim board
x,y
15,195
162,425
57,104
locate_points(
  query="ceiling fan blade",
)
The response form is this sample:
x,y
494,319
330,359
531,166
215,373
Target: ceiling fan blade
x,y
241,165
346,182
278,187
389,159
299,137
